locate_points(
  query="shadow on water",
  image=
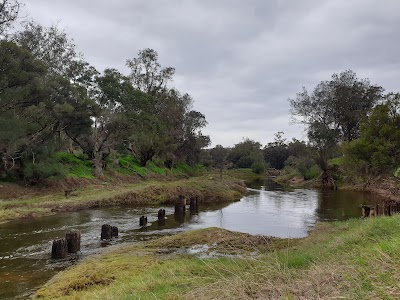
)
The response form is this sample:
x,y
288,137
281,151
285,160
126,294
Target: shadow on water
x,y
269,209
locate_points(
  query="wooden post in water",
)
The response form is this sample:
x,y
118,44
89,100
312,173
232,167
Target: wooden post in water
x,y
59,249
161,214
114,231
143,221
106,232
180,205
194,208
73,239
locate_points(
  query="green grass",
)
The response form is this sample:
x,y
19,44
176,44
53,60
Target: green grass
x,y
356,259
78,166
128,166
337,161
244,174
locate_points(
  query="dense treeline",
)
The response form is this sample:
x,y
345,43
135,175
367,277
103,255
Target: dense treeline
x,y
52,100
353,131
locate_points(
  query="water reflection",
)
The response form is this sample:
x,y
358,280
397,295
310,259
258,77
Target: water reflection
x,y
268,209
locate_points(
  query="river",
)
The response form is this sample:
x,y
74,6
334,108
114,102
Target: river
x,y
269,209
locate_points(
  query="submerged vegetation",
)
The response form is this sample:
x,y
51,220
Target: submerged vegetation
x,y
355,259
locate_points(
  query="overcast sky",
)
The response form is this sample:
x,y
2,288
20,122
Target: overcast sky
x,y
240,60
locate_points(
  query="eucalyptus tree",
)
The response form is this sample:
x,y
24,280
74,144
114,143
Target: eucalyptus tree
x,y
334,111
55,49
219,155
376,151
147,74
34,108
169,129
9,10
245,153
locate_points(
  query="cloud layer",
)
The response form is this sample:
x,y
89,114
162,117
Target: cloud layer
x,y
240,60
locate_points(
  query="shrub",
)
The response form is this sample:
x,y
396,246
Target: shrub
x,y
258,167
35,173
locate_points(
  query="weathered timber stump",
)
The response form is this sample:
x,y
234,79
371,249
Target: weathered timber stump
x,y
106,232
73,239
114,231
180,205
366,211
180,209
59,249
194,208
179,217
182,200
161,214
143,221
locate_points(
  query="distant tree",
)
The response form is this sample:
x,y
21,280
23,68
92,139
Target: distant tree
x,y
276,153
9,10
298,148
147,74
334,112
353,99
219,154
377,150
245,153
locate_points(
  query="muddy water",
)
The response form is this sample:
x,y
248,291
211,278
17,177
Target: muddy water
x,y
269,209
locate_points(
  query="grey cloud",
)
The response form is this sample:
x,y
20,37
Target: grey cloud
x,y
240,60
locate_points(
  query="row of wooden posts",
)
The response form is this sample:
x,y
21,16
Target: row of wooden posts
x,y
72,241
386,208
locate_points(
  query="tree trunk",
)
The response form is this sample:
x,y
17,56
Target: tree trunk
x,y
328,181
98,166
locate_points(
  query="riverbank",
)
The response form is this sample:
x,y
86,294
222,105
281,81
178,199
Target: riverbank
x,y
355,259
205,188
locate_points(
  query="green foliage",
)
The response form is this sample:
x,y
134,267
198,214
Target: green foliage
x,y
334,111
337,161
276,153
258,167
35,173
305,166
48,91
244,154
311,173
376,151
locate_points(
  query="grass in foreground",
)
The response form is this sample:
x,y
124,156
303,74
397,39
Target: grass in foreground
x,y
356,259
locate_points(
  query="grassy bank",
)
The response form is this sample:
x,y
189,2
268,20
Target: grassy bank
x,y
149,192
356,259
